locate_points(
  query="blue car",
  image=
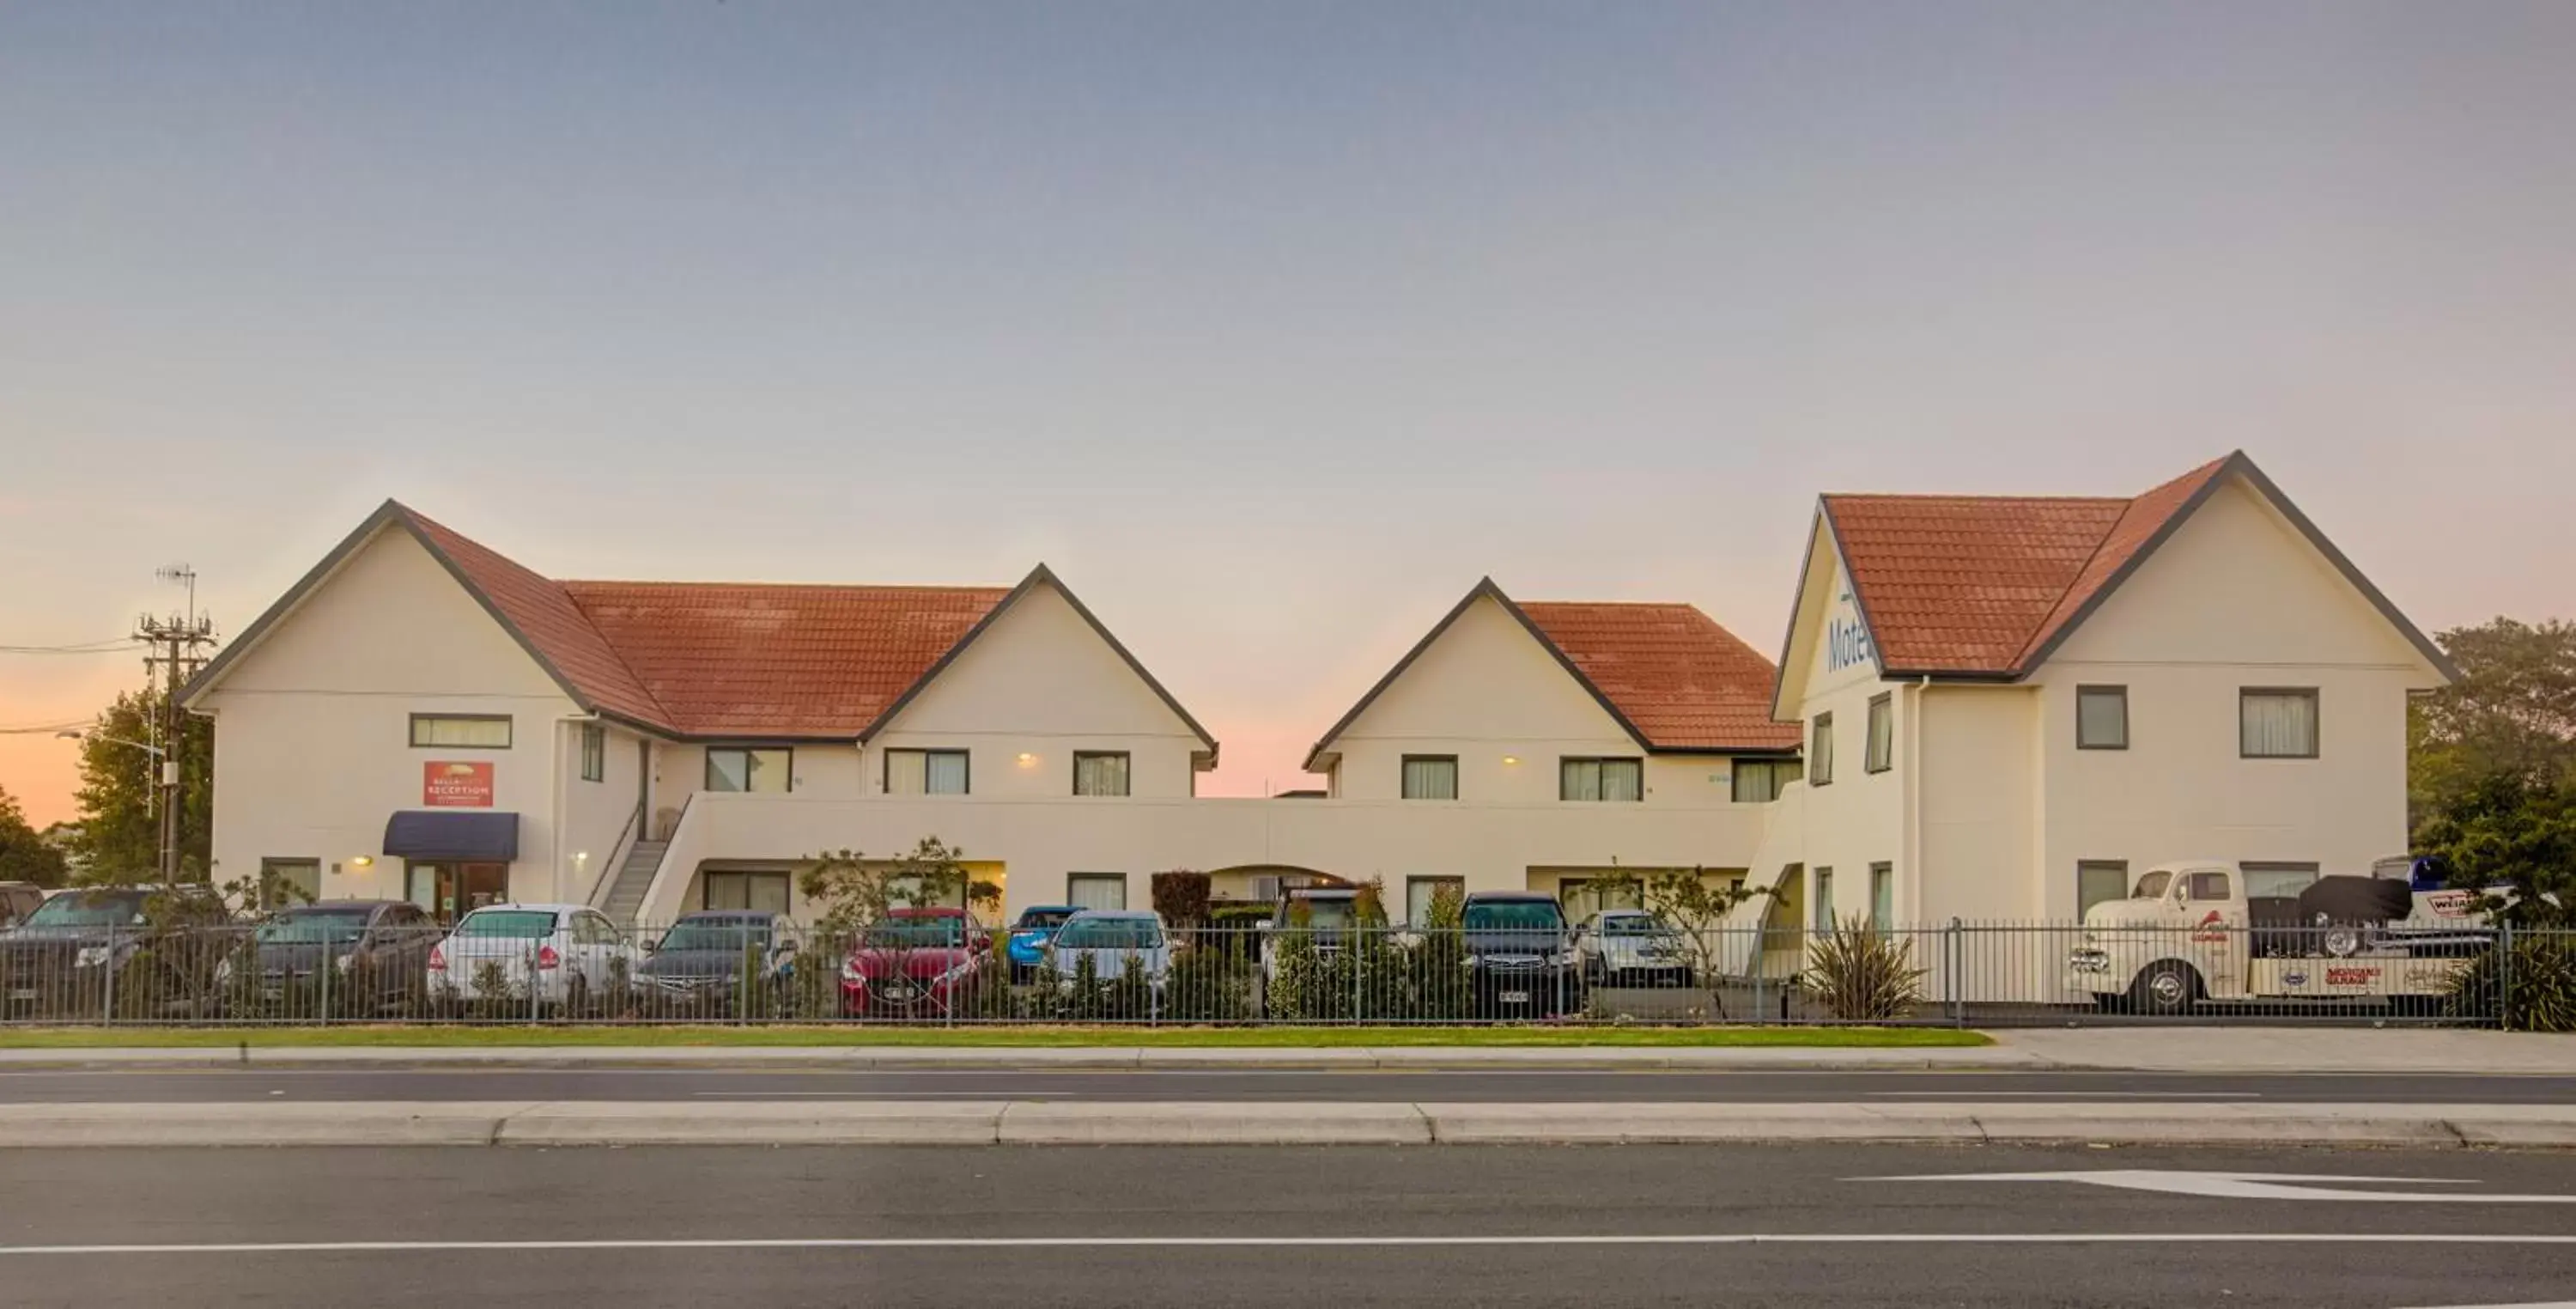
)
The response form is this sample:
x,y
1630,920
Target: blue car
x,y
1035,931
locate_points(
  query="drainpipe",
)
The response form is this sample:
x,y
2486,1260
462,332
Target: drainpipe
x,y
1912,846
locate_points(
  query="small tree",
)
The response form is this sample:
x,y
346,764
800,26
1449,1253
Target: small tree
x,y
2516,832
1181,897
854,897
1690,904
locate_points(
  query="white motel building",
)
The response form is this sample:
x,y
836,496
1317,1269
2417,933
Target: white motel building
x,y
1989,708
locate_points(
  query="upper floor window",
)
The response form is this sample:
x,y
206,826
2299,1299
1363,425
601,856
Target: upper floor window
x,y
1600,779
1879,754
1759,781
926,772
594,752
2101,718
2277,722
732,768
1820,756
1431,777
462,731
1098,772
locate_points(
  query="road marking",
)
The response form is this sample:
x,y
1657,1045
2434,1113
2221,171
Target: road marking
x,y
2076,1095
980,1094
2246,1186
1302,1242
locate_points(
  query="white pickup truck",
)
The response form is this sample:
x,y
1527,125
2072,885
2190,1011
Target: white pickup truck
x,y
2188,933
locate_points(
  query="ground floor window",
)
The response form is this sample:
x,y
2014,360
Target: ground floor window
x,y
448,892
1824,900
289,881
1882,896
2277,880
762,892
2098,880
1419,892
1585,896
1096,890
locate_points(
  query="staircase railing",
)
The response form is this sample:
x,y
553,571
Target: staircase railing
x,y
617,849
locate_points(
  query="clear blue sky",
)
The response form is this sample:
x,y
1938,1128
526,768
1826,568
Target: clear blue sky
x,y
1271,329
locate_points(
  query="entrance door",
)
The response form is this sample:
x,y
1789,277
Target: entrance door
x,y
450,891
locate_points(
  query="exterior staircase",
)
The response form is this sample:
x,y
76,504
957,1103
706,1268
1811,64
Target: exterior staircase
x,y
634,877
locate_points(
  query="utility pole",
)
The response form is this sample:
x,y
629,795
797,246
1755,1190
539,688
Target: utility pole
x,y
176,642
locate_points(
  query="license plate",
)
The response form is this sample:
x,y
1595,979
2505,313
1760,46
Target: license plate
x,y
22,993
1515,997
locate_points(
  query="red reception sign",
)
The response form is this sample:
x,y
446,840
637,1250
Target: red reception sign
x,y
456,786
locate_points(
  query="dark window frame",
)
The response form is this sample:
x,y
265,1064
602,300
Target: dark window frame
x,y
2316,719
1406,762
1597,760
594,752
1882,707
1124,899
1412,880
1882,872
1127,774
2122,692
509,720
1772,765
1820,748
706,887
708,771
2127,881
885,767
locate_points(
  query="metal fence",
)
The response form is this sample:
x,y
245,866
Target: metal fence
x,y
1963,974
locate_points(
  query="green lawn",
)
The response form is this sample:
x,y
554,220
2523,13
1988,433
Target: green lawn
x,y
80,1038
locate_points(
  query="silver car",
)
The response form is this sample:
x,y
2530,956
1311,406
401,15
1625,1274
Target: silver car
x,y
1110,940
1633,947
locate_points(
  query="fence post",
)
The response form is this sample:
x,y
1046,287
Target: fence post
x,y
107,1014
324,967
2504,977
1950,949
1755,968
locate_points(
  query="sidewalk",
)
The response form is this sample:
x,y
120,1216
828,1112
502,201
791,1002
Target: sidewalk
x,y
2165,1049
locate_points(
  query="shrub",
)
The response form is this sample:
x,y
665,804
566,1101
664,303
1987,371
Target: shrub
x,y
2531,987
1208,986
1181,897
1860,974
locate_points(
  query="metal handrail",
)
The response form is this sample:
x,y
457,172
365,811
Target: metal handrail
x,y
616,848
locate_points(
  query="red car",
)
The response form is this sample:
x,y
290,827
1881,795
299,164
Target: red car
x,y
913,963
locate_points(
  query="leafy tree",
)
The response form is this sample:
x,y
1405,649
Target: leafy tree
x,y
1696,906
25,856
851,891
2513,711
2514,831
120,834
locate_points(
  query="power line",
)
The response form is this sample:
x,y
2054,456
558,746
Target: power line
x,y
117,645
36,728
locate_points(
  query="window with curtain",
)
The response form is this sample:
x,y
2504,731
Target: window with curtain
x,y
1880,753
1759,781
461,731
1824,906
1600,779
2098,880
1100,772
761,892
925,772
1096,890
1882,896
2101,718
1431,777
1820,756
1419,892
594,752
2277,722
731,768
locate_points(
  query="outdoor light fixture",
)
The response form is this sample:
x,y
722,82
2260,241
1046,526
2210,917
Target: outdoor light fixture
x,y
1027,759
363,861
1511,758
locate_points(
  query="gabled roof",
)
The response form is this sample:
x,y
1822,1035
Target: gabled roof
x,y
1673,680
1988,586
713,660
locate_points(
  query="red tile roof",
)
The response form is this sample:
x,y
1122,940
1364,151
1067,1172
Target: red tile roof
x,y
1982,584
1682,681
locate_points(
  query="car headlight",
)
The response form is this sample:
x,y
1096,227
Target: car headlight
x,y
90,956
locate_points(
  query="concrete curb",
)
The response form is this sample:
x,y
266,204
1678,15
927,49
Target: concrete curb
x,y
860,1122
861,1058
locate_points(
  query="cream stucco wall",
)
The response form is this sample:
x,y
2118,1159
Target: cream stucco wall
x,y
1858,818
312,727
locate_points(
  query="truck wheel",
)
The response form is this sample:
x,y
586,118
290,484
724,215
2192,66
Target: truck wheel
x,y
2165,988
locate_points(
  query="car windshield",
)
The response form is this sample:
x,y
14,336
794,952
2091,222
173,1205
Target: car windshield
x,y
1045,918
1514,916
1111,934
1639,926
2153,885
89,909
716,933
337,926
917,932
512,924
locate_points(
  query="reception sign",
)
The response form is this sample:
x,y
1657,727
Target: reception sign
x,y
456,785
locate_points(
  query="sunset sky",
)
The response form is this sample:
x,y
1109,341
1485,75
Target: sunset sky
x,y
1271,331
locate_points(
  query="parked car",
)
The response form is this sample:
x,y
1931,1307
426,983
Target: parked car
x,y
1323,915
698,963
1521,961
17,900
913,963
1030,936
1632,947
563,957
376,953
64,954
1111,941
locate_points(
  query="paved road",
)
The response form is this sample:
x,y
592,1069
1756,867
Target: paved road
x,y
1565,1086
1180,1226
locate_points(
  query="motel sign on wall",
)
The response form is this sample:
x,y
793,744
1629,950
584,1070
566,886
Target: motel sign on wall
x,y
456,785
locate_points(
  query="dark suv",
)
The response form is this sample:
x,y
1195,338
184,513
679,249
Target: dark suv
x,y
1521,960
141,951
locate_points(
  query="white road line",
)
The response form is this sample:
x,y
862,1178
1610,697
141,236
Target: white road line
x,y
978,1094
1304,1242
2074,1095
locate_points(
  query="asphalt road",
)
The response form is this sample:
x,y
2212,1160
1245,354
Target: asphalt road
x,y
1534,1086
1182,1226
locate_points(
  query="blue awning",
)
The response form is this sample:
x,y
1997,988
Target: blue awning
x,y
480,836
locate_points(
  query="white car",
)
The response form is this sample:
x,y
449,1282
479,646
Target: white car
x,y
1112,940
576,955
